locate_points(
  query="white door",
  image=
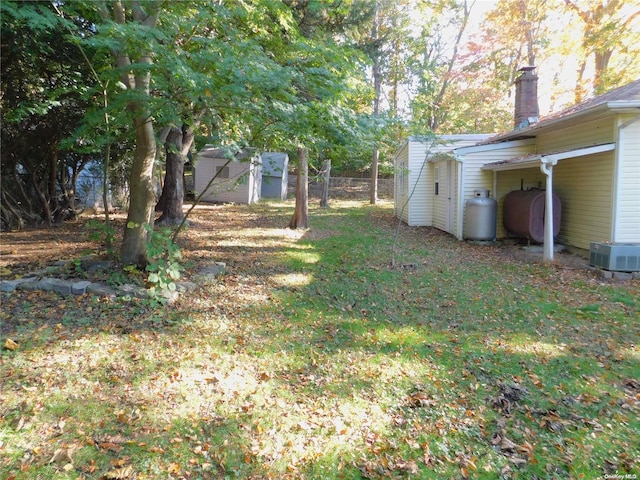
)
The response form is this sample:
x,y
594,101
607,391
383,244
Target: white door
x,y
451,195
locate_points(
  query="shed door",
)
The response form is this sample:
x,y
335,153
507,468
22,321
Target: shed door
x,y
451,195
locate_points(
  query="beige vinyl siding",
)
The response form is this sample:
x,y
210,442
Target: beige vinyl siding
x,y
420,175
411,198
577,136
584,186
416,205
241,186
627,228
511,180
400,190
476,178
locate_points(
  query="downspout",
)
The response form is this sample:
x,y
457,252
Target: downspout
x,y
460,196
495,192
547,168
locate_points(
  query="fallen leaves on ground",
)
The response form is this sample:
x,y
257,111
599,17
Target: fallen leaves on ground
x,y
312,357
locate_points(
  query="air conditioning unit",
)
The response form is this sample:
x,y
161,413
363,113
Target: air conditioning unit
x,y
617,257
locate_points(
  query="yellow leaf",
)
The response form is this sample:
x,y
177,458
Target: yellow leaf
x,y
10,344
62,456
119,473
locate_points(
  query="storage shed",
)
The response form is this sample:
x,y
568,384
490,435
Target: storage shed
x,y
239,174
275,175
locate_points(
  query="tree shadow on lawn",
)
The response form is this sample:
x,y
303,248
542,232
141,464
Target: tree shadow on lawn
x,y
336,377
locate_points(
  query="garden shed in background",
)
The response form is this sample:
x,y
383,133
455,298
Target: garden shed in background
x,y
239,174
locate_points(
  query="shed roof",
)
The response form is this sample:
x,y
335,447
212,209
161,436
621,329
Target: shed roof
x,y
212,151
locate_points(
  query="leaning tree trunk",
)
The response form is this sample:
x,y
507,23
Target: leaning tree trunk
x,y
300,217
177,145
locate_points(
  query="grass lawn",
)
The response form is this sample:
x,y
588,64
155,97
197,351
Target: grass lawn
x,y
314,358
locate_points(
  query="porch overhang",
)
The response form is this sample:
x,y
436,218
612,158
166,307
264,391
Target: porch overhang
x,y
546,162
536,159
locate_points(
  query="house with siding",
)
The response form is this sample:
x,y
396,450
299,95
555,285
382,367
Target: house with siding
x,y
428,181
587,155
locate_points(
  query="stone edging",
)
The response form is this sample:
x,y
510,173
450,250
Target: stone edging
x,y
39,281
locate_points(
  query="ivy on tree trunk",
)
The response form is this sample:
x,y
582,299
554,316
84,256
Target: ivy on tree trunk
x,y
326,173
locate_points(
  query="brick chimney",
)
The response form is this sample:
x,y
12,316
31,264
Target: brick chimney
x,y
526,110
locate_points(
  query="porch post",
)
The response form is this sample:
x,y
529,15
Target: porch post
x,y
547,168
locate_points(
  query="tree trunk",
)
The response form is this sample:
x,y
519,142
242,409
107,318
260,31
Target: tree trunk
x,y
177,144
142,198
300,217
602,58
51,184
326,170
47,215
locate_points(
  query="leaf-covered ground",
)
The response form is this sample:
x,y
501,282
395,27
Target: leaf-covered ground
x,y
314,357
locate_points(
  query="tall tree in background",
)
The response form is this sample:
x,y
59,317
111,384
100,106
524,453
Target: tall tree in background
x,y
380,28
581,48
434,58
515,32
607,28
178,141
300,218
335,114
376,74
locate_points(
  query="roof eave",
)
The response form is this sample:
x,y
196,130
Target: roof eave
x,y
550,158
619,106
